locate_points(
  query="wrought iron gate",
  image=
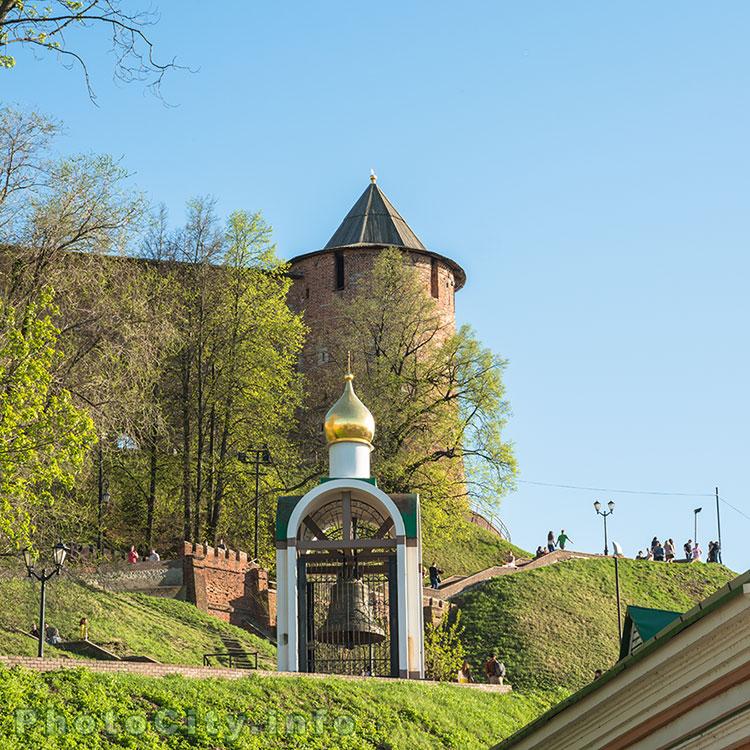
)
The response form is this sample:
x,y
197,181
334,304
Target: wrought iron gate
x,y
348,616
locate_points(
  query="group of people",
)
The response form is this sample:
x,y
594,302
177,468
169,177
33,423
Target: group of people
x,y
52,634
133,556
666,552
553,543
494,671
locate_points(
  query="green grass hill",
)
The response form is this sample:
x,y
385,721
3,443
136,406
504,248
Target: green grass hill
x,y
167,630
470,550
174,712
555,625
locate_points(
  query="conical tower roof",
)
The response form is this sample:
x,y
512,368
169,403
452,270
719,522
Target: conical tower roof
x,y
373,220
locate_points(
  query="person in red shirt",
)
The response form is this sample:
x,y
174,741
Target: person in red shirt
x,y
133,556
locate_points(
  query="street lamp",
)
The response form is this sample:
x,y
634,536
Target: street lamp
x,y
260,457
695,523
104,498
617,552
604,514
59,554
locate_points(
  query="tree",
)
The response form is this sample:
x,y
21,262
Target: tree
x,y
65,224
444,652
44,437
232,381
43,25
437,396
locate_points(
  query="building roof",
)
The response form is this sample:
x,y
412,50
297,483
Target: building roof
x,y
676,626
373,221
641,625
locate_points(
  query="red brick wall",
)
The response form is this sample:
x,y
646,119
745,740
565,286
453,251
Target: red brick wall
x,y
225,583
314,292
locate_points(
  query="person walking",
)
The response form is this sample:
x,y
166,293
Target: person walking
x,y
495,670
84,628
551,542
435,576
688,547
658,552
669,550
464,674
563,539
697,552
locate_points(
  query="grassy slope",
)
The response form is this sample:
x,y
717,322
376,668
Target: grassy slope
x,y
396,716
164,629
555,625
472,550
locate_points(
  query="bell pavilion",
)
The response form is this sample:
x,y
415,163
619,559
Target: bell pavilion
x,y
348,563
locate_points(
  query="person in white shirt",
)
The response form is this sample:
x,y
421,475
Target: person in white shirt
x,y
154,556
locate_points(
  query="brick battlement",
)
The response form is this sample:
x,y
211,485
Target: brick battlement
x,y
224,557
229,585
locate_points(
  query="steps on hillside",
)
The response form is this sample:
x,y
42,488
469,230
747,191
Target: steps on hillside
x,y
450,589
90,649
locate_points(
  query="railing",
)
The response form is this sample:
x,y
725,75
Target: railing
x,y
233,658
493,522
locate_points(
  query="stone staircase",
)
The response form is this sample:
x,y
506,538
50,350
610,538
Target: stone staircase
x,y
455,585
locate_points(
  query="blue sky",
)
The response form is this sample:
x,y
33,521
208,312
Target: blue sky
x,y
587,163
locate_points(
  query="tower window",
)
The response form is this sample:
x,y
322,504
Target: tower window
x,y
307,292
434,285
338,257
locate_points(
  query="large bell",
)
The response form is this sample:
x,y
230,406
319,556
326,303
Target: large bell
x,y
350,620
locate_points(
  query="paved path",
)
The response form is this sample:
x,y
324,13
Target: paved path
x,y
162,670
456,585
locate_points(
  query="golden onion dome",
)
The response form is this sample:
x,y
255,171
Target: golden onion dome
x,y
349,419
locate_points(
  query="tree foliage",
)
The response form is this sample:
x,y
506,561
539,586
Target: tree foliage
x,y
437,396
444,652
48,26
44,437
181,357
233,381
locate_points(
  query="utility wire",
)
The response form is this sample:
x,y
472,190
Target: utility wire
x,y
733,507
610,489
636,492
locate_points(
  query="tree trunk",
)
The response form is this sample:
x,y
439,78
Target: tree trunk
x,y
211,470
199,374
151,501
186,446
219,493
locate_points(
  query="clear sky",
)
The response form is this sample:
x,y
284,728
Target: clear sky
x,y
587,163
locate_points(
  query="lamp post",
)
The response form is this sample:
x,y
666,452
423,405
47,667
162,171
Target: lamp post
x,y
617,552
260,457
695,524
59,554
604,514
104,498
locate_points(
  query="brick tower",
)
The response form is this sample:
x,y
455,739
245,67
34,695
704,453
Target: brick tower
x,y
344,264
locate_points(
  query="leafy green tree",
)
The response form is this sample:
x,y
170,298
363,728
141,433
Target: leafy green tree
x,y
44,25
44,437
437,396
444,652
232,381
